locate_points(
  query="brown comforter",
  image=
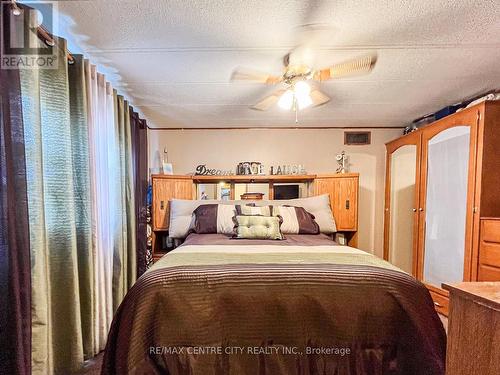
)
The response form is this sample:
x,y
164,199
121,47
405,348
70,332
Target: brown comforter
x,y
241,308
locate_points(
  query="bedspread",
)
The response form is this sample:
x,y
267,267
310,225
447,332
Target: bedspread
x,y
268,309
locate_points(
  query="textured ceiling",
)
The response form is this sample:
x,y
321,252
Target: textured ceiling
x,y
173,58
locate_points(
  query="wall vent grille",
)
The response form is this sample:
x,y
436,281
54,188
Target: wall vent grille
x,y
357,138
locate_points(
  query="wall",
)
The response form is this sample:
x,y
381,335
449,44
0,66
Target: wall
x,y
316,149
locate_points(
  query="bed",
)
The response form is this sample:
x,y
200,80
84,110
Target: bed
x,y
304,305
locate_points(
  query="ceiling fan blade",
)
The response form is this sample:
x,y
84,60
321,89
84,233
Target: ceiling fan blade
x,y
318,98
309,39
268,101
243,74
359,65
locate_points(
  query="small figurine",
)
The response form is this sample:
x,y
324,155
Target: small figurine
x,y
342,162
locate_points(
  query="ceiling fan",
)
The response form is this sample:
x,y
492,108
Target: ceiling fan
x,y
298,93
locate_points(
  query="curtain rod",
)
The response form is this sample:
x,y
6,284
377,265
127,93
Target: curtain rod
x,y
42,33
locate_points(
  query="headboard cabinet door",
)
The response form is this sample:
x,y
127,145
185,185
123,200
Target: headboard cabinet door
x,y
165,189
343,191
345,205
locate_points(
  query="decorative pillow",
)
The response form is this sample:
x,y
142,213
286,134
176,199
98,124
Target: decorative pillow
x,y
182,219
257,227
319,206
296,220
214,218
251,209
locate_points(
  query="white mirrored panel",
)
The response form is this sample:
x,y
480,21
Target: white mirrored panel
x,y
446,204
402,198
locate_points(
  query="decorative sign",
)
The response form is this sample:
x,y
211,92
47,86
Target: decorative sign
x,y
250,167
293,169
202,170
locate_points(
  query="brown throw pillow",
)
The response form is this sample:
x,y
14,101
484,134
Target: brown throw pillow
x,y
214,218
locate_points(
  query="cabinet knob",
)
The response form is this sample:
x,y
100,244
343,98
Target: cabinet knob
x,y
162,205
414,209
420,209
437,304
347,204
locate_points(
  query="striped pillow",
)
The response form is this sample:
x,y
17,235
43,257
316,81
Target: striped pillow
x,y
251,209
296,220
214,218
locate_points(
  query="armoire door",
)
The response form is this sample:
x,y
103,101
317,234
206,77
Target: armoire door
x,y
401,202
446,201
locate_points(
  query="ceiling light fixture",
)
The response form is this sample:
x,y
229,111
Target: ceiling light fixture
x,y
302,94
298,96
287,100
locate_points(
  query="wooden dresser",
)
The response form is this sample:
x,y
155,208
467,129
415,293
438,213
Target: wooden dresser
x,y
342,188
473,328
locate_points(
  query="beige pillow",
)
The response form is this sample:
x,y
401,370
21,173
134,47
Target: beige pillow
x,y
258,227
319,206
253,210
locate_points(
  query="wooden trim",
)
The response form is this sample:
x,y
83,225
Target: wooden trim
x,y
280,128
476,199
271,190
337,175
232,191
254,178
172,176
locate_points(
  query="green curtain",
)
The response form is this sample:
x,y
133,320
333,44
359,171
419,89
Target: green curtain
x,y
82,190
77,131
59,211
124,256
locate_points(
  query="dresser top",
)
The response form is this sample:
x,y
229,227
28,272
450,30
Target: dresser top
x,y
485,292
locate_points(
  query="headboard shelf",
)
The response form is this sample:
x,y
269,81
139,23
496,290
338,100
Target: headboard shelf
x,y
342,188
255,178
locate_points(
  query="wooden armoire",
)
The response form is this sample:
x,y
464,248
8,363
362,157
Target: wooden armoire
x,y
442,202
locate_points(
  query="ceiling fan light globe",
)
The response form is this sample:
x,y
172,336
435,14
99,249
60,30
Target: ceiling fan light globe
x,y
301,88
304,101
286,100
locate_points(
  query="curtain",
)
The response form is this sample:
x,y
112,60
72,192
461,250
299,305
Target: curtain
x,y
70,164
139,135
59,212
15,280
124,254
104,160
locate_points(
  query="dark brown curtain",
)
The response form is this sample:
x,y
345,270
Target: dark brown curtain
x,y
15,276
139,135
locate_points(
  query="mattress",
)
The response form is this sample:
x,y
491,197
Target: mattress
x,y
301,306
